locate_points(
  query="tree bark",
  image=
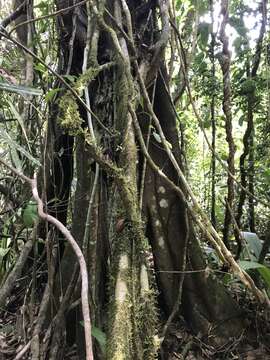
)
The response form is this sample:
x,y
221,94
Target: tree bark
x,y
205,301
120,235
225,63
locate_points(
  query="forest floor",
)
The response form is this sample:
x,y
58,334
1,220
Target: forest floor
x,y
182,344
15,327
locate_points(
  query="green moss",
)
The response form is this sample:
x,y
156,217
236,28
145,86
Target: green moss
x,y
147,323
133,324
123,96
121,334
120,331
70,118
85,79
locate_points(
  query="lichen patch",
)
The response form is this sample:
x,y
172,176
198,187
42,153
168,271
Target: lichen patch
x,y
163,203
161,242
161,190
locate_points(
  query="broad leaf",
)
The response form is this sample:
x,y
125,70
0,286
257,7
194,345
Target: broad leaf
x,y
20,121
263,270
30,214
100,336
249,265
265,274
253,243
5,137
19,89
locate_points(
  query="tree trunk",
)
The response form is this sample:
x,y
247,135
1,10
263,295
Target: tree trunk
x,y
121,237
205,300
213,119
225,63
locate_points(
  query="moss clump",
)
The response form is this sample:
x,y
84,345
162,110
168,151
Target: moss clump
x,y
147,323
133,322
85,79
70,118
120,344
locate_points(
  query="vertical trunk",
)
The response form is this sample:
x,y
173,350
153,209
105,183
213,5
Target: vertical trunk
x,y
203,299
243,176
251,175
247,174
213,120
248,140
120,246
225,62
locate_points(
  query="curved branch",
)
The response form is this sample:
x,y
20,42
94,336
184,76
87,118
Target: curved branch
x,y
77,251
82,263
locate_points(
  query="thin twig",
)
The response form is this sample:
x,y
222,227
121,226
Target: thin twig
x,y
76,249
23,351
59,77
14,15
200,122
178,300
195,210
15,273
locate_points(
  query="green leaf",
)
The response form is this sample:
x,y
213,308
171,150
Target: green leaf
x,y
19,89
6,138
249,265
265,274
50,94
241,120
30,214
238,24
99,335
3,253
40,67
20,121
266,175
263,270
71,78
253,243
248,87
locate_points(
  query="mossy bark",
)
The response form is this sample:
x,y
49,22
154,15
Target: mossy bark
x,y
129,289
123,235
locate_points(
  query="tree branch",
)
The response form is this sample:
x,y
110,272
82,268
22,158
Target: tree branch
x,y
76,249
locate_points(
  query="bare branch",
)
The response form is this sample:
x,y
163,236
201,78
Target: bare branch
x,y
77,251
